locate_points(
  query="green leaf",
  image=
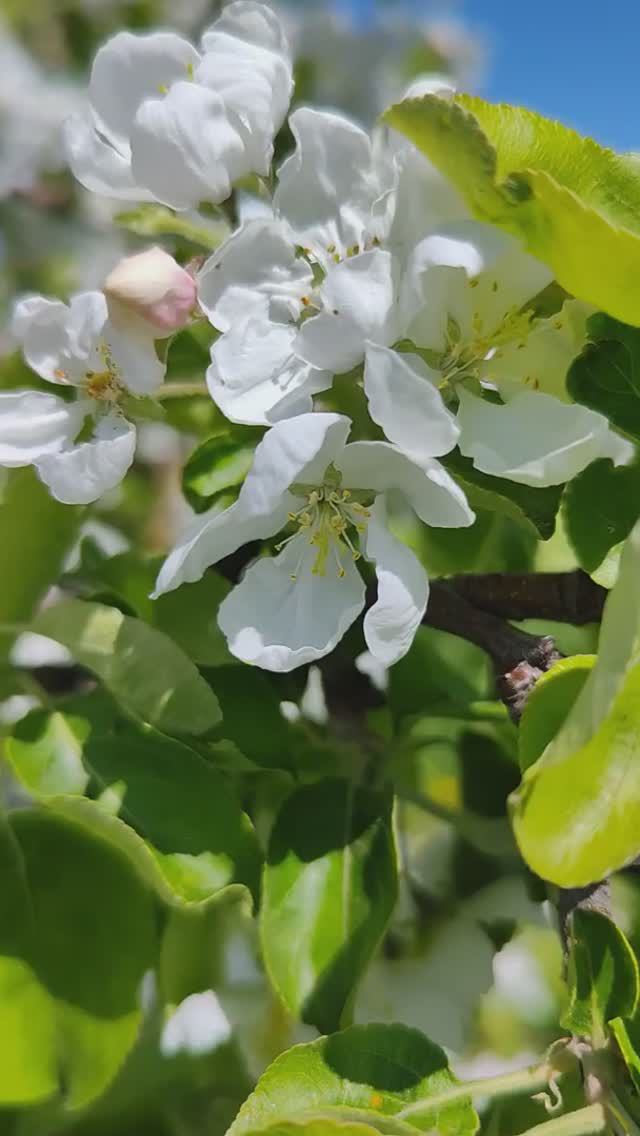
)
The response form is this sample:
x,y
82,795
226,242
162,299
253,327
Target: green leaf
x,y
627,1035
351,1122
184,810
263,734
536,509
388,1070
576,814
606,374
548,704
601,506
189,615
603,976
330,885
80,936
36,533
144,670
215,469
439,670
574,204
157,220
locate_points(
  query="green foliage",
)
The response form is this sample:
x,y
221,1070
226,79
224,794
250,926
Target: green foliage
x,y
606,375
374,1075
574,204
147,673
158,221
185,812
601,506
548,705
603,976
328,892
39,532
576,813
66,1025
533,508
215,471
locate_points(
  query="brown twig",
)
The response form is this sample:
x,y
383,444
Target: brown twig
x,y
565,597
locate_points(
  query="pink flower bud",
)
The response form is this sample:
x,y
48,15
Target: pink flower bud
x,y
150,293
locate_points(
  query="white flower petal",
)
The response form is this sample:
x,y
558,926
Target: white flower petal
x,y
131,68
96,163
59,341
431,296
255,272
247,63
135,357
403,590
534,439
429,489
405,402
185,148
33,423
250,21
327,188
197,1026
359,299
253,369
214,535
279,623
299,448
85,471
295,450
541,360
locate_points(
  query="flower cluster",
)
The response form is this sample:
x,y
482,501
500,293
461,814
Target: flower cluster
x,y
357,280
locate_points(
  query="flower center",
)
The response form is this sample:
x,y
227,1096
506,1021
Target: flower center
x,y
104,386
330,521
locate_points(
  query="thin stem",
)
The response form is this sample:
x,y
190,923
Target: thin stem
x,y
530,1080
584,1122
181,390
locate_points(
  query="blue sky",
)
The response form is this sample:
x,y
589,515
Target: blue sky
x,y
577,60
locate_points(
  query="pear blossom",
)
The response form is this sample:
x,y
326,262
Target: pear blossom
x,y
169,123
79,448
294,607
150,293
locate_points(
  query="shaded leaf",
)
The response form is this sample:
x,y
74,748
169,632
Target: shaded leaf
x,y
76,1020
388,1070
601,506
534,508
144,670
603,976
330,885
157,220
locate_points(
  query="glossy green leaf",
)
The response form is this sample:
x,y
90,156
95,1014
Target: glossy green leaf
x,y
576,814
183,808
390,1070
548,705
350,1122
627,1035
38,532
601,506
602,976
574,204
216,469
144,670
252,717
330,885
82,934
536,509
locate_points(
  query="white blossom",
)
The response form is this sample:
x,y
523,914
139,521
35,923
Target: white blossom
x,y
294,608
80,448
169,123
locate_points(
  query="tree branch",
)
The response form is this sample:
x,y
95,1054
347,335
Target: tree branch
x,y
564,597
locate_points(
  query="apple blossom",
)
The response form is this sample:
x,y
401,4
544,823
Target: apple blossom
x,y
150,293
84,447
172,124
295,607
